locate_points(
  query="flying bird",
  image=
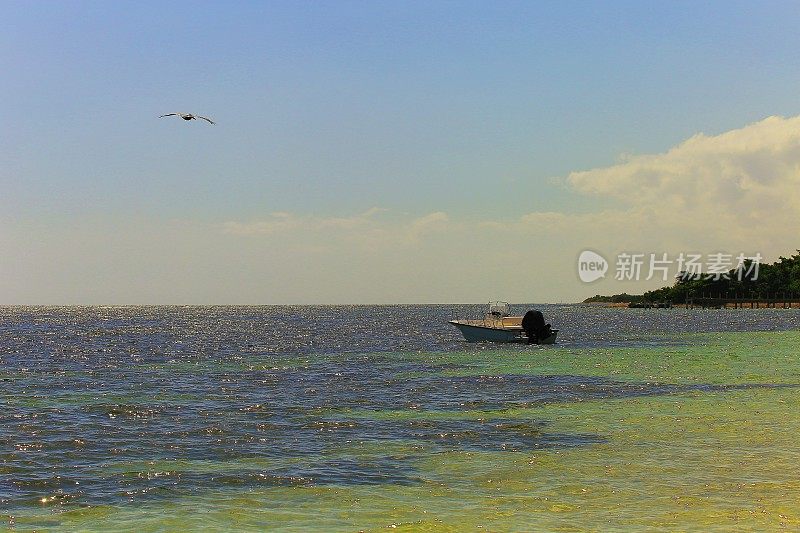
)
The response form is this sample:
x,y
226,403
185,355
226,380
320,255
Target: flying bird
x,y
187,116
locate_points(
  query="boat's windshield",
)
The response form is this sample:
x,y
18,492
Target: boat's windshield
x,y
498,309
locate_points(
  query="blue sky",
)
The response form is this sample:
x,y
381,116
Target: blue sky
x,y
476,110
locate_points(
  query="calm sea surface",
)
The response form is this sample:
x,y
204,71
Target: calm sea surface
x,y
349,418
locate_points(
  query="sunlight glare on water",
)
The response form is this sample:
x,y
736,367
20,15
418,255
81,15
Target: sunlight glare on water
x,y
366,418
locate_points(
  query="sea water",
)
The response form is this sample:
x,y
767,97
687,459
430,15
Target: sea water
x,y
354,418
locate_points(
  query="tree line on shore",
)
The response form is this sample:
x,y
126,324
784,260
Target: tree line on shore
x,y
778,279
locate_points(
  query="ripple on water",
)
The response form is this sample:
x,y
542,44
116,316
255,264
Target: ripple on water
x,y
113,406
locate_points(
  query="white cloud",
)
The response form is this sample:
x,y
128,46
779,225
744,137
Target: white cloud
x,y
366,228
425,225
279,221
743,176
736,190
283,221
351,222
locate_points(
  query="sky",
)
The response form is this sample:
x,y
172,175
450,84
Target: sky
x,y
388,152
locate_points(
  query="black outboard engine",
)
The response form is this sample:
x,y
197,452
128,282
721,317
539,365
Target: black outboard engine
x,y
535,327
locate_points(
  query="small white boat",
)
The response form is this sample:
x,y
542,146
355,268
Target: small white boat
x,y
497,325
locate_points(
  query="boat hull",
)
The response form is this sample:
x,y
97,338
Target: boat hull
x,y
481,333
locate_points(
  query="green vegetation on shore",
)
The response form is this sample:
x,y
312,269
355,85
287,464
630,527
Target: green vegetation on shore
x,y
781,278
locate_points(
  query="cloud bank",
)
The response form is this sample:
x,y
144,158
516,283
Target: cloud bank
x,y
744,177
738,191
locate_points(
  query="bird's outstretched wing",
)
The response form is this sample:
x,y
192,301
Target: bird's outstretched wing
x,y
206,119
169,115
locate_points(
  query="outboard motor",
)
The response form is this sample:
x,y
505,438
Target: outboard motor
x,y
535,327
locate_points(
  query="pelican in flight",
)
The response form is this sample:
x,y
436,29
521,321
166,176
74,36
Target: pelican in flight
x,y
187,116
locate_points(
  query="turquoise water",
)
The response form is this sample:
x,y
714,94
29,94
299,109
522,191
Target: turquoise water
x,y
298,419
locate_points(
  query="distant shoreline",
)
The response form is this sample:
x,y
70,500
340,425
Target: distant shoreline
x,y
625,305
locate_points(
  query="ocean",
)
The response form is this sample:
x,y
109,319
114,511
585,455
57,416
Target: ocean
x,y
368,418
